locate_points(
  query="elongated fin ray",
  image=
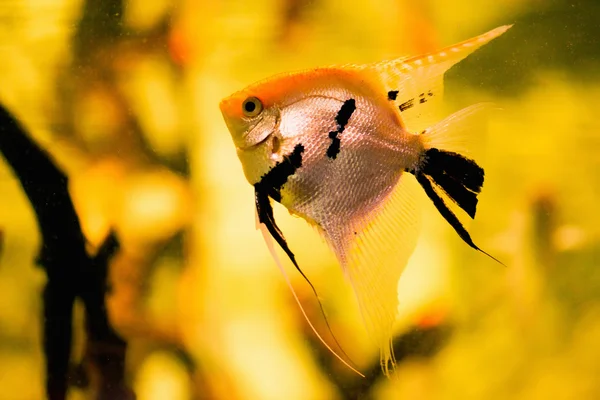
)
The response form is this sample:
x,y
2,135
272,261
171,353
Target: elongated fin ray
x,y
417,82
265,216
269,229
373,252
448,215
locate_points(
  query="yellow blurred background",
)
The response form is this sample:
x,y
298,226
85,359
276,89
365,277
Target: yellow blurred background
x,y
124,94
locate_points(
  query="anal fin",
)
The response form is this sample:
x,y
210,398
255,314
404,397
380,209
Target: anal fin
x,y
373,251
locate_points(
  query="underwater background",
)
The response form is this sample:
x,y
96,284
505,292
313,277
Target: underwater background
x,y
124,96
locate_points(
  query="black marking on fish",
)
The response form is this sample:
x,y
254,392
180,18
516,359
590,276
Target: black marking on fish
x,y
342,118
460,178
269,185
406,105
448,215
334,148
462,196
422,98
459,168
344,114
272,182
392,94
265,216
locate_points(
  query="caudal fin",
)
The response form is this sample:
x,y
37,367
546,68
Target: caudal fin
x,y
459,177
448,172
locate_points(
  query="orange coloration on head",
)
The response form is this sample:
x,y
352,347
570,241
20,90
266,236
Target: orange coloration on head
x,y
285,88
250,127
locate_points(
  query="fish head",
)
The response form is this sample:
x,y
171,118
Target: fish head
x,y
248,118
252,117
269,118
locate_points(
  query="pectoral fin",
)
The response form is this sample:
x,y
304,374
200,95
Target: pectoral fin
x,y
266,219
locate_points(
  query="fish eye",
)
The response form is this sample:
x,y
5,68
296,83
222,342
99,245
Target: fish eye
x,y
252,106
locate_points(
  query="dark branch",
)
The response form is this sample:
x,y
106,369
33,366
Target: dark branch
x,y
70,270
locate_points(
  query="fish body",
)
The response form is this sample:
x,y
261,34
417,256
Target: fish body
x,y
336,147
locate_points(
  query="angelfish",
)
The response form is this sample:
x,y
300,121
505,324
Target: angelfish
x,y
337,147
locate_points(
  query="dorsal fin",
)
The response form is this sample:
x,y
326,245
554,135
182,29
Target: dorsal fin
x,y
415,84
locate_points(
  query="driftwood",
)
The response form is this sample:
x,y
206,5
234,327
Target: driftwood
x,y
71,272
